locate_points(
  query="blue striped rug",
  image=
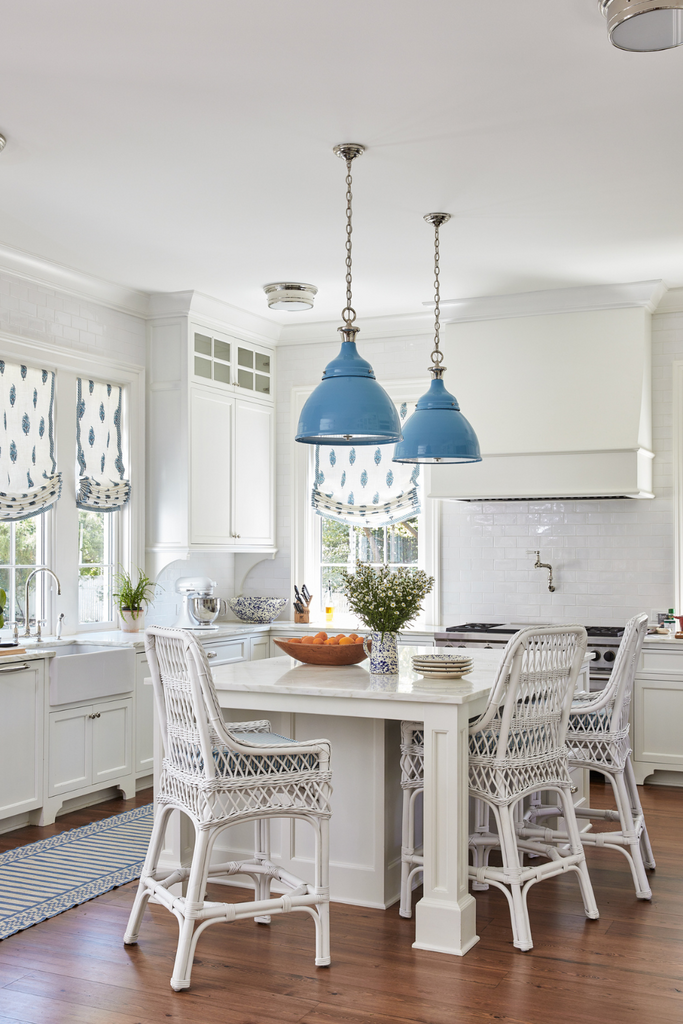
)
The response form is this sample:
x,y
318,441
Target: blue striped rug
x,y
45,878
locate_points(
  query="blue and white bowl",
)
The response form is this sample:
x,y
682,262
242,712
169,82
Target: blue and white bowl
x,y
256,609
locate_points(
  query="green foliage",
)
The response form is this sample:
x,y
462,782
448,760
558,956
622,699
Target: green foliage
x,y
132,597
386,599
91,542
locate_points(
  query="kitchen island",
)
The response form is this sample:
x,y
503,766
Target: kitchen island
x,y
360,713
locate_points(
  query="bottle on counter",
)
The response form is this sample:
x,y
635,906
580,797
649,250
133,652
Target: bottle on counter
x,y
670,623
329,606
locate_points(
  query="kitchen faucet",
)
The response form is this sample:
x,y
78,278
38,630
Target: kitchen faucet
x,y
27,631
538,564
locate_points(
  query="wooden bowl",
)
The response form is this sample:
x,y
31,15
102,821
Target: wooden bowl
x,y
321,654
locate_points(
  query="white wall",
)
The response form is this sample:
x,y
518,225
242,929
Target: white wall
x,y
611,558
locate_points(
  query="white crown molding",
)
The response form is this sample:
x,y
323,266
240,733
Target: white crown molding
x,y
555,300
401,325
43,272
214,313
672,302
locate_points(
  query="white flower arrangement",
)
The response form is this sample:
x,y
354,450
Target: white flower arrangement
x,y
386,599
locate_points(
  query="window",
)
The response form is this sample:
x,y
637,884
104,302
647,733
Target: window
x,y
22,549
342,545
96,564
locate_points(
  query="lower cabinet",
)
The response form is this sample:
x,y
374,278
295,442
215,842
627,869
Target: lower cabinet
x,y
21,737
144,719
90,746
656,714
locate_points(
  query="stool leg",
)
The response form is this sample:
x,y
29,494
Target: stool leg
x,y
519,913
196,889
645,847
407,851
262,853
151,862
575,845
322,888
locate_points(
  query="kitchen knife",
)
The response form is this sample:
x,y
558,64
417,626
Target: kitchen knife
x,y
297,595
298,607
306,595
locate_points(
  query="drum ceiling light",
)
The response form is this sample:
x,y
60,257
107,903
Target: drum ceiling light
x,y
349,407
644,25
437,431
290,295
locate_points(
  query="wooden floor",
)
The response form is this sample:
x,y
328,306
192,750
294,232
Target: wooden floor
x,y
626,968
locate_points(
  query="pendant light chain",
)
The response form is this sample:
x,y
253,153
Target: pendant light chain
x,y
437,354
348,313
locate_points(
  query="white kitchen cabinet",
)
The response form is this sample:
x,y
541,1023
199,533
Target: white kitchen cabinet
x,y
89,748
144,720
211,443
22,686
657,712
260,648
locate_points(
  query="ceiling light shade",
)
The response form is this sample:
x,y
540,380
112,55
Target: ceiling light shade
x,y
290,295
437,432
644,25
349,407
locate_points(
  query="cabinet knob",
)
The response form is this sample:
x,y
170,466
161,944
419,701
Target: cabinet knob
x,y
212,654
96,715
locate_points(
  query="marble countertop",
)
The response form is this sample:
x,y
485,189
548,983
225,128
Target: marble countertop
x,y
278,675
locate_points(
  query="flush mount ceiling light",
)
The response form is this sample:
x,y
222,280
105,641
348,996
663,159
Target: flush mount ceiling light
x,y
349,407
437,431
290,295
644,25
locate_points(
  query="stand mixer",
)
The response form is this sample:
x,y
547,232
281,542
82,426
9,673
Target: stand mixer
x,y
200,608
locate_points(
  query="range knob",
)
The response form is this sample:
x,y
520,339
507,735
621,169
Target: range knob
x,y
596,655
609,655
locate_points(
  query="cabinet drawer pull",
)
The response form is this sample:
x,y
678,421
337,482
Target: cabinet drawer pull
x,y
13,668
96,715
212,654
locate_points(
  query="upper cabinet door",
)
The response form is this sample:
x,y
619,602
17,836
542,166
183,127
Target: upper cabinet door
x,y
253,492
211,426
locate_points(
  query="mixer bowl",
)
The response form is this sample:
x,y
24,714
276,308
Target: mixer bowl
x,y
206,609
256,609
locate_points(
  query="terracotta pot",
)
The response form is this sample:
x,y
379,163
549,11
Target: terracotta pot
x,y
132,622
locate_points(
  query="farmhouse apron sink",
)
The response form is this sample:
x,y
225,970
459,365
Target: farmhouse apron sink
x,y
87,672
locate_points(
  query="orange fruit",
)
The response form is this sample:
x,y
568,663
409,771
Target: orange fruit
x,y
330,643
318,640
295,640
345,641
333,640
323,636
339,636
307,639
354,636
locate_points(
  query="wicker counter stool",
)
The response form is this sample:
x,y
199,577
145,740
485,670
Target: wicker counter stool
x,y
517,747
412,784
598,739
221,775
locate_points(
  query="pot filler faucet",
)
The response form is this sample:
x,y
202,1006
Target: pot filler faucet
x,y
27,631
538,564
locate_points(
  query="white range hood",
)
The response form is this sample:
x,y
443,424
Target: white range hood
x,y
561,404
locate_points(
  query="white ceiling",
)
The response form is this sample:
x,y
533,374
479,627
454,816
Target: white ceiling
x,y
187,144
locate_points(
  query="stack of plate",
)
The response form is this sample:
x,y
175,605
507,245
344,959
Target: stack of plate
x,y
442,666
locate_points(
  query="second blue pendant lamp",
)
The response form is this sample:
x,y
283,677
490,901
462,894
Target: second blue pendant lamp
x,y
349,407
437,431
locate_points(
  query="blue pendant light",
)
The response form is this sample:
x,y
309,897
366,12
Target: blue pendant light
x,y
437,431
349,407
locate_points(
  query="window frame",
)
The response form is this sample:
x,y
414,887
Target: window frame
x,y
305,522
62,524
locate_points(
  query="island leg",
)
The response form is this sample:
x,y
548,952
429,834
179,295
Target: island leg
x,y
445,918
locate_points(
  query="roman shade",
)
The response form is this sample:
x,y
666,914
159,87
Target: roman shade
x,y
102,486
29,481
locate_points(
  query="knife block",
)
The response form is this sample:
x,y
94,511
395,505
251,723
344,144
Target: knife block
x,y
305,614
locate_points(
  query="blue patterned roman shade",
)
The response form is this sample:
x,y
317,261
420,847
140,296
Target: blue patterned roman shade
x,y
29,481
102,486
362,486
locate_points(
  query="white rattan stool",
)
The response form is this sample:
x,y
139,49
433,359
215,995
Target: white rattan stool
x,y
412,784
598,739
517,747
221,775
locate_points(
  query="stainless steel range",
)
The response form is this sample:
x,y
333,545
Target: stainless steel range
x,y
603,641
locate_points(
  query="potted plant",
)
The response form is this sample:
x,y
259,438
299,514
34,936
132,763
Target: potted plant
x,y
132,599
386,600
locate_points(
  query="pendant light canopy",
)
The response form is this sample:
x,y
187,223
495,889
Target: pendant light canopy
x,y
349,407
437,431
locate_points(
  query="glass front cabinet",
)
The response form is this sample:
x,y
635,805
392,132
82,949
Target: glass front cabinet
x,y
227,361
